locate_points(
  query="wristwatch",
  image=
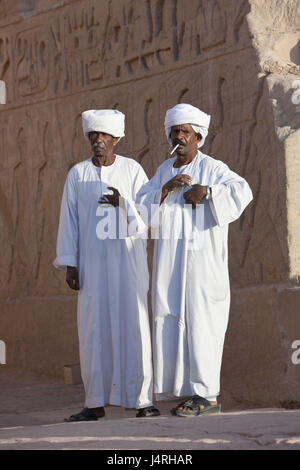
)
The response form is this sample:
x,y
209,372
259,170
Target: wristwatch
x,y
208,192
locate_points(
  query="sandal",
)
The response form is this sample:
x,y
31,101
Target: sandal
x,y
193,404
84,415
148,412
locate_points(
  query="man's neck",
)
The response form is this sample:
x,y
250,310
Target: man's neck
x,y
183,160
106,160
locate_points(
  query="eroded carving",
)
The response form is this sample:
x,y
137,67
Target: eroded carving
x,y
97,43
141,57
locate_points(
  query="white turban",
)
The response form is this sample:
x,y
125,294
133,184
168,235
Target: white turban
x,y
110,121
187,114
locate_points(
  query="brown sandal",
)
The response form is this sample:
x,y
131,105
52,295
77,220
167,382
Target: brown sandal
x,y
194,407
84,415
148,412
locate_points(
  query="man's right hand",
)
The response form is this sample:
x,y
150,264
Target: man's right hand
x,y
72,277
177,182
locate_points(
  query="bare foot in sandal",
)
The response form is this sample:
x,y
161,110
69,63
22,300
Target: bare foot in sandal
x,y
202,407
196,406
87,414
147,412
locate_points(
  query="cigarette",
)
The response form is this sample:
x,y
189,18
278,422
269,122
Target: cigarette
x,y
174,149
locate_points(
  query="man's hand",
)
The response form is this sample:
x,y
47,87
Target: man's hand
x,y
72,277
177,182
195,195
112,199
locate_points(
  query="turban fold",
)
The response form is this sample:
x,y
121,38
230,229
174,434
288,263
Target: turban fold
x,y
110,121
187,114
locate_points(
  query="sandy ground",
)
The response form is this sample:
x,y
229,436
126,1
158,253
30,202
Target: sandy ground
x,y
33,408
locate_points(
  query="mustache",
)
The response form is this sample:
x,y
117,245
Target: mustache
x,y
179,142
97,145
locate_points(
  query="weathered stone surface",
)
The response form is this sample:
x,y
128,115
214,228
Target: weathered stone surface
x,y
40,333
238,61
142,57
257,364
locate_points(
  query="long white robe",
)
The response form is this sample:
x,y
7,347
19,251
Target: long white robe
x,y
113,323
190,288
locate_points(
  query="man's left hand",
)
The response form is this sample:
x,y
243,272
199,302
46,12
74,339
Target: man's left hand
x,y
112,199
195,195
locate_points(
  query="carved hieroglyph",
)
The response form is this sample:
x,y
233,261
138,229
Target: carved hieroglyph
x,y
141,57
238,61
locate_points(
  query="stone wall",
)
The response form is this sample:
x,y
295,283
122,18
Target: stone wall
x,y
236,60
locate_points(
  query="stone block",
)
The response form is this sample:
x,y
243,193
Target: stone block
x,y
72,374
257,369
40,334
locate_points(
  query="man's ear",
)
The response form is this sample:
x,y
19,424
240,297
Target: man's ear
x,y
199,137
116,140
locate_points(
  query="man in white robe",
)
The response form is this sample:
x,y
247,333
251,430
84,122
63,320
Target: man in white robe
x,y
192,199
101,247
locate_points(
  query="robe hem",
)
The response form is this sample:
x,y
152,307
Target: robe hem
x,y
169,395
115,401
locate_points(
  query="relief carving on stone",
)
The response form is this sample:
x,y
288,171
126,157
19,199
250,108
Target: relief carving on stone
x,y
103,43
142,57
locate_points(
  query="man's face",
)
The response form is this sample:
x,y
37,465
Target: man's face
x,y
102,144
185,136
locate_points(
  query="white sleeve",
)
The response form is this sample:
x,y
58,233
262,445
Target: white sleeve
x,y
67,238
140,180
133,224
230,194
148,198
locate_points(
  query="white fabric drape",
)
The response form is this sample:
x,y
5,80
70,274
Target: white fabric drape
x,y
110,121
113,324
184,113
190,289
